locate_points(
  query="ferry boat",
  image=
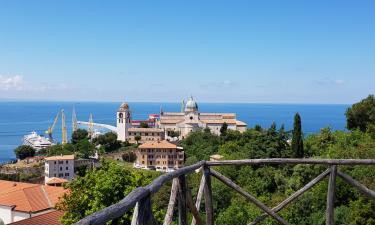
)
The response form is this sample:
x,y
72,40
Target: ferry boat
x,y
36,141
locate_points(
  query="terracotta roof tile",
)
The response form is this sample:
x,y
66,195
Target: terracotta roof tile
x,y
29,197
60,157
56,180
50,218
158,144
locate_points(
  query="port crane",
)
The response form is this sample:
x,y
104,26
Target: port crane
x,y
64,139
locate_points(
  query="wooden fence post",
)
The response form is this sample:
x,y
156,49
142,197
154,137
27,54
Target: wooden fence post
x,y
145,216
172,201
208,196
182,210
199,197
331,196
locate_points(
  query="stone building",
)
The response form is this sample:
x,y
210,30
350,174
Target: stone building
x,y
159,155
126,132
59,167
191,120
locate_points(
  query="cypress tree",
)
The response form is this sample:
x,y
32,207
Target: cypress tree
x,y
297,139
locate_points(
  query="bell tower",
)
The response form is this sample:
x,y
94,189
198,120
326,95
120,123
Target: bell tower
x,y
123,121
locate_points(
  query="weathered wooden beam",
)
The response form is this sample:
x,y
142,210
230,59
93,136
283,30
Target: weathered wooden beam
x,y
191,206
362,188
145,216
182,210
208,196
135,214
199,197
331,196
160,181
249,197
294,196
293,161
116,210
172,201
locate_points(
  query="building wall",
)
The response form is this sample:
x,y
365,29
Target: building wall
x,y
17,216
59,168
6,214
145,136
160,158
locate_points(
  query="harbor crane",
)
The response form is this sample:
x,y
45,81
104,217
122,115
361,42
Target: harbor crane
x,y
64,139
50,129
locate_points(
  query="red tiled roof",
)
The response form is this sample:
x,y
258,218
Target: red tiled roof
x,y
29,197
158,144
50,218
56,180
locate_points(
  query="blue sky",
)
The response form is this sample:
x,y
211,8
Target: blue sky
x,y
217,51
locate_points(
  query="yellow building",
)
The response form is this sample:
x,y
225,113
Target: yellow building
x,y
159,155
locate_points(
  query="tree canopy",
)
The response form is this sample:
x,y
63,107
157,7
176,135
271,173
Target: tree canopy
x,y
24,151
362,114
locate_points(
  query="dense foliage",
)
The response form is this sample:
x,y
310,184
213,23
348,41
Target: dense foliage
x,y
362,114
100,188
24,151
272,184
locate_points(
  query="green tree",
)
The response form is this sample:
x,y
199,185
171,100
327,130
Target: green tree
x,y
108,141
79,135
100,188
144,124
85,149
361,114
297,138
224,128
24,151
137,138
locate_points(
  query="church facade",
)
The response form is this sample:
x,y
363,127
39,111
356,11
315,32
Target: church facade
x,y
190,119
174,124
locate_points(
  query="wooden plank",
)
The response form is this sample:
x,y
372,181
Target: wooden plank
x,y
145,216
116,210
191,206
331,196
362,188
172,201
292,161
249,197
294,196
135,214
199,197
160,181
208,196
182,210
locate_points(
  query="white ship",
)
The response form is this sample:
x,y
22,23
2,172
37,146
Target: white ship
x,y
36,141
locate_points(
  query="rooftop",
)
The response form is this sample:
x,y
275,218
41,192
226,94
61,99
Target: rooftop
x,y
60,157
158,144
29,197
50,218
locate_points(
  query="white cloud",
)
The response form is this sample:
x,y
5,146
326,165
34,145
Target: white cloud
x,y
328,81
339,82
12,83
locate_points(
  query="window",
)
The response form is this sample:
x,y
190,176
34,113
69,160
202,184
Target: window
x,y
61,162
66,168
61,174
67,174
66,162
60,168
55,162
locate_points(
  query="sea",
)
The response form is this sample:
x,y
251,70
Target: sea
x,y
20,118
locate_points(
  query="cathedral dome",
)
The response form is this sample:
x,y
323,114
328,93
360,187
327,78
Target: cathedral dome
x,y
124,106
191,105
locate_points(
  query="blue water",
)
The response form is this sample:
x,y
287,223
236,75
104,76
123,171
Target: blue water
x,y
20,118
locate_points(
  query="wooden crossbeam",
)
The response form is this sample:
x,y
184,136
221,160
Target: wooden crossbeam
x,y
249,197
294,196
362,188
172,202
199,198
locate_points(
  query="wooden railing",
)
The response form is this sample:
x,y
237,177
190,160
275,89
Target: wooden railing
x,y
140,198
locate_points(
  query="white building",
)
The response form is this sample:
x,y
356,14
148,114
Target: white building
x,y
191,120
19,201
59,167
125,131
